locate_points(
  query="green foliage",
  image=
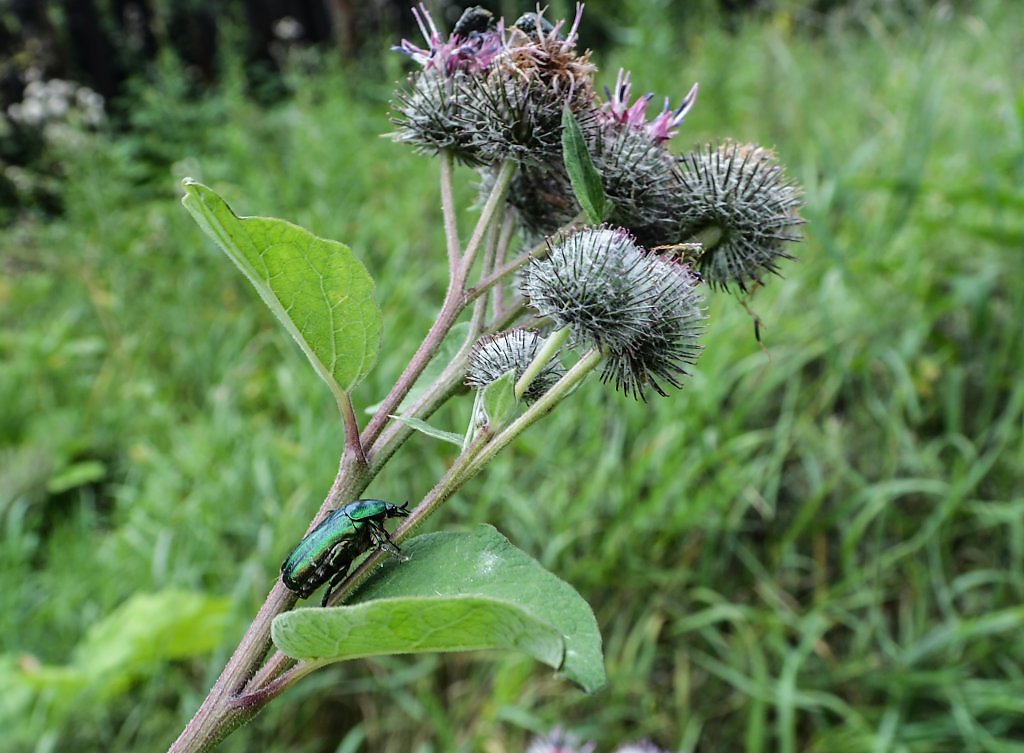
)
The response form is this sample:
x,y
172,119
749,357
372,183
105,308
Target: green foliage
x,y
318,290
431,431
817,547
146,631
456,592
584,177
499,400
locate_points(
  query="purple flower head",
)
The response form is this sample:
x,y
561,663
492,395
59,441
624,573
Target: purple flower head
x,y
618,112
472,52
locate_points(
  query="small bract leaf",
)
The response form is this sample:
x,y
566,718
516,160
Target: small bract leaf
x,y
317,288
584,177
430,431
500,399
449,576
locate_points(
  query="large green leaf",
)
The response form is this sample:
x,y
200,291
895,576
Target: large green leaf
x,y
317,288
457,591
414,624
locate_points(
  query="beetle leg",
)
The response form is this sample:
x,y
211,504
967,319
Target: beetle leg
x,y
335,582
330,586
382,540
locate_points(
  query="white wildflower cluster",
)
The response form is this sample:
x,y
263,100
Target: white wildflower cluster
x,y
56,101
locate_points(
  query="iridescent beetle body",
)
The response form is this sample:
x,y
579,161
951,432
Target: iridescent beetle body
x,y
326,553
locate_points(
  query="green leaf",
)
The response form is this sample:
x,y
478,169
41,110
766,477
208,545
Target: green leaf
x,y
430,431
457,591
584,177
413,625
500,400
317,288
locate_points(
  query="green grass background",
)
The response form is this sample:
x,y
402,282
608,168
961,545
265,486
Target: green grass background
x,y
815,546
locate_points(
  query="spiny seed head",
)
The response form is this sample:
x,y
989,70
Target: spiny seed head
x,y
509,115
427,115
515,112
669,344
637,170
597,283
639,178
737,200
512,351
488,95
427,111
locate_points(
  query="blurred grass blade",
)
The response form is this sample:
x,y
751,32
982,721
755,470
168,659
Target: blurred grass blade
x,y
586,181
456,592
317,288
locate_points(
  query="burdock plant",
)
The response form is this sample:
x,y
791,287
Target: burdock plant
x,y
590,253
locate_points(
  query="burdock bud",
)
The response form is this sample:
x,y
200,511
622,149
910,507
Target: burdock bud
x,y
735,199
427,111
669,343
640,181
642,310
515,112
597,282
426,114
511,351
637,170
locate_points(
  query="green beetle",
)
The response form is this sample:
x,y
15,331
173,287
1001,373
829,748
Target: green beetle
x,y
327,552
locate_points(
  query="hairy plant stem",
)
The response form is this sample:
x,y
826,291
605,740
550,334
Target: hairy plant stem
x,y
454,302
451,229
227,706
480,306
243,686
